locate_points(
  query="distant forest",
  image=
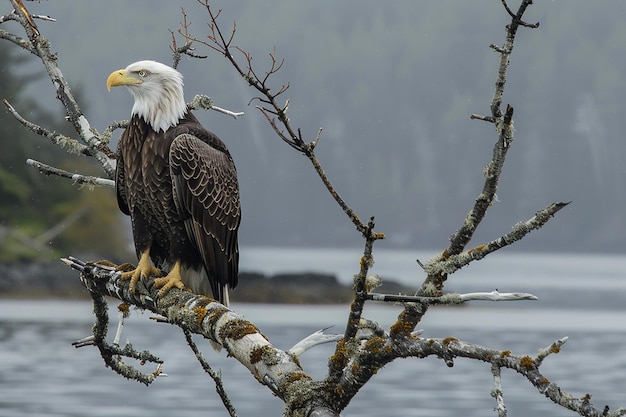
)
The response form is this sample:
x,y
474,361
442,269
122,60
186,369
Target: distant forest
x,y
392,85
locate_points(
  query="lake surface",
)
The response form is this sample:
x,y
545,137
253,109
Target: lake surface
x,y
582,297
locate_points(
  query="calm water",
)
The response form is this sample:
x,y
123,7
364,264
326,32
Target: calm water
x,y
41,374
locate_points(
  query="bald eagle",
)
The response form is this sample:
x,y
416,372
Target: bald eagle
x,y
178,183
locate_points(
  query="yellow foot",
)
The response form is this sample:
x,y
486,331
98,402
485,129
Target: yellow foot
x,y
173,279
144,269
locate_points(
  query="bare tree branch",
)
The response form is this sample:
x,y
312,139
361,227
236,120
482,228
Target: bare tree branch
x,y
281,372
271,108
198,314
450,264
433,285
77,178
215,376
65,142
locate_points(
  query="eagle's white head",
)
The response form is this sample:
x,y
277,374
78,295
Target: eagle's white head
x,y
157,90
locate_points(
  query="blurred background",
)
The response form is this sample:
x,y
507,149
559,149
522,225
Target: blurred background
x,y
392,86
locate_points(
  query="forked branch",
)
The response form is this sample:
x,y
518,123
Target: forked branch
x,y
438,268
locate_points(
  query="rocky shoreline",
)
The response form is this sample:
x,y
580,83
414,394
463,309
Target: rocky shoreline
x,y
55,280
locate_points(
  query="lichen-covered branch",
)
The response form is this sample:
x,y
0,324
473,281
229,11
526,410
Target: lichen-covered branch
x,y
278,370
452,263
497,390
77,178
68,144
439,268
341,355
504,127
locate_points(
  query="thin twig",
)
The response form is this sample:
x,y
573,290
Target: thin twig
x,y
497,390
65,142
77,178
215,376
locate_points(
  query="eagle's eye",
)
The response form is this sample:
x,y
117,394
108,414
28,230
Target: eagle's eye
x,y
142,73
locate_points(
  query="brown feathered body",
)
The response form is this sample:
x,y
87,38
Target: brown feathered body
x,y
179,186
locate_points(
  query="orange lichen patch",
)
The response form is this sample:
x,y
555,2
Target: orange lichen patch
x,y
339,359
236,329
477,248
200,313
265,354
505,353
296,376
125,267
104,262
446,341
379,235
355,368
339,390
257,354
527,362
555,349
544,381
374,345
124,309
216,313
402,327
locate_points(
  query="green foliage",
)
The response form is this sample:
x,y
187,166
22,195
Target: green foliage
x,y
32,204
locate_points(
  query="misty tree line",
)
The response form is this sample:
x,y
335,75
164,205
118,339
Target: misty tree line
x,y
364,347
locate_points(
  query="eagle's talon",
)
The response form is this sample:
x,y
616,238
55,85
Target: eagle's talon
x,y
144,270
173,279
166,284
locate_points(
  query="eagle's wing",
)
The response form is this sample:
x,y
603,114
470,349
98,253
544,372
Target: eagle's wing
x,y
206,192
120,185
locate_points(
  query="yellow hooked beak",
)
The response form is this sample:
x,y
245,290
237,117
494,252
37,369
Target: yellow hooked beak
x,y
121,77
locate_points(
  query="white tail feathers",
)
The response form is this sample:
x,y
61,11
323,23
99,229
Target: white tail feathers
x,y
225,296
